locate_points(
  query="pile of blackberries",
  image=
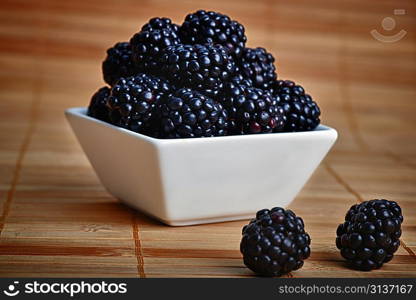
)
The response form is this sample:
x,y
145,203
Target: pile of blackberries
x,y
227,88
275,242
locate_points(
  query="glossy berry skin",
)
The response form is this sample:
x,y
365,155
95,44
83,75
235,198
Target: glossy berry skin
x,y
251,110
275,242
204,68
208,27
118,63
159,24
132,102
258,65
370,234
302,113
148,45
239,80
189,114
97,107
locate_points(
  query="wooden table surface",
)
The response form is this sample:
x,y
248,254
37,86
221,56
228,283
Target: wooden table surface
x,y
56,219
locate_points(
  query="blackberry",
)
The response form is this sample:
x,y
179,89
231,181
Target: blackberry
x,y
160,23
200,67
188,114
97,108
132,102
208,27
148,45
275,242
302,113
252,110
258,65
370,234
118,63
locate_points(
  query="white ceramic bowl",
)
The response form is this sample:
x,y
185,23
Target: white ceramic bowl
x,y
200,180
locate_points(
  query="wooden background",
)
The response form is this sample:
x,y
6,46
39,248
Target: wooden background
x,y
57,220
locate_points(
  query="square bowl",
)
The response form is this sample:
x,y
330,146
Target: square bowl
x,y
200,180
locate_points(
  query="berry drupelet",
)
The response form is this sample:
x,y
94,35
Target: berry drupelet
x,y
275,242
370,234
132,102
238,79
188,114
204,68
159,24
97,108
148,45
208,27
118,63
251,110
258,65
302,113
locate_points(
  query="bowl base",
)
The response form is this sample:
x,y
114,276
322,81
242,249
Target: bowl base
x,y
208,220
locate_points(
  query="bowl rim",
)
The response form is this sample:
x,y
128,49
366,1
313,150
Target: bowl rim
x,y
81,112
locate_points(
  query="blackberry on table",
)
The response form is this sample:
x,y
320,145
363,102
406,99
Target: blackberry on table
x,y
200,67
148,45
252,110
258,65
275,242
188,114
302,113
132,102
159,24
97,107
208,27
370,234
118,63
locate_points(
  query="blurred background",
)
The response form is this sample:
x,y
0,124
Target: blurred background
x,y
356,58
